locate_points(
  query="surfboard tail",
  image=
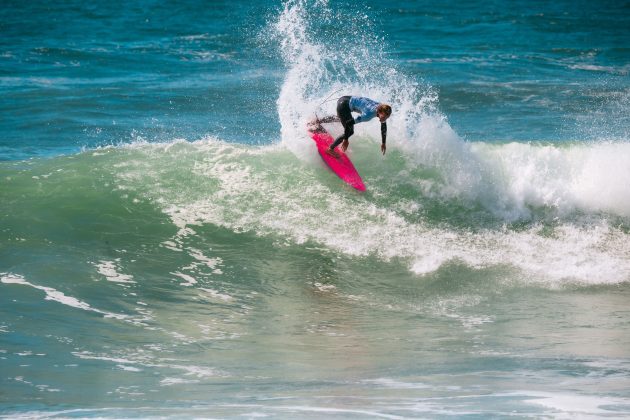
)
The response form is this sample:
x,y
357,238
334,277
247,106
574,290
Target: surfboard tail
x,y
341,165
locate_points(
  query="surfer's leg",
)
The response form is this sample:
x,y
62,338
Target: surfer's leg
x,y
343,110
348,130
337,142
345,116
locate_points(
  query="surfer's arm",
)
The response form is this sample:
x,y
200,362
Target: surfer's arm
x,y
383,137
364,117
384,132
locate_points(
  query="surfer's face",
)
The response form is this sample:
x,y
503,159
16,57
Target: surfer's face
x,y
382,116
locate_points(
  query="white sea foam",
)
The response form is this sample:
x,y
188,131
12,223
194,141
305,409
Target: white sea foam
x,y
145,360
57,296
110,270
623,70
215,294
189,280
177,381
395,384
588,177
570,406
129,368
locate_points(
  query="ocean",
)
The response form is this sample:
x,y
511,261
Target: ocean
x,y
172,245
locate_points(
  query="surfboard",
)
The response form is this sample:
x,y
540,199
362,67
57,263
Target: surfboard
x,y
341,165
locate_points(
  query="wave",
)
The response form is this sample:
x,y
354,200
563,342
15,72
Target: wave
x,y
546,213
552,214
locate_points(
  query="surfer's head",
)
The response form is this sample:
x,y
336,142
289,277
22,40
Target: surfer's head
x,y
383,111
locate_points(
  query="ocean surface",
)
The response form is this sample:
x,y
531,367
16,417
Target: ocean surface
x,y
172,246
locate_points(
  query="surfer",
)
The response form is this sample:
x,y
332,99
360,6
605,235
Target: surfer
x,y
368,109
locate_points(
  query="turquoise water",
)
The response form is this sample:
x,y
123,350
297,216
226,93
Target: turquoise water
x,y
171,245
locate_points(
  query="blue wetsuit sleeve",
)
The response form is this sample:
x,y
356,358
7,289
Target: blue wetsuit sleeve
x,y
365,116
365,106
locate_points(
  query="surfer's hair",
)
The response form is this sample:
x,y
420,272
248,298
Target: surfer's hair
x,y
384,109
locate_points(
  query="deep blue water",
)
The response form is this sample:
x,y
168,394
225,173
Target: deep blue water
x,y
172,246
78,75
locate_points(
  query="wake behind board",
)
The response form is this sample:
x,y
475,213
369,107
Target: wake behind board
x,y
342,166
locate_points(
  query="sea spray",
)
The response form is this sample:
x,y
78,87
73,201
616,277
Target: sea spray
x,y
322,65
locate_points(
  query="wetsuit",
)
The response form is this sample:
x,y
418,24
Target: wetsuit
x,y
365,106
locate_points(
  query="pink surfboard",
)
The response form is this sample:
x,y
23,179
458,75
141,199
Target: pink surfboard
x,y
341,165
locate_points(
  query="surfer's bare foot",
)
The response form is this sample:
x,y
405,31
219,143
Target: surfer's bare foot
x,y
332,152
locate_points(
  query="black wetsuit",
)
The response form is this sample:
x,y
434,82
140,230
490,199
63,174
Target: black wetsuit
x,y
368,109
345,116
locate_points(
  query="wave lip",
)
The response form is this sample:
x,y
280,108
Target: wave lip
x,y
588,178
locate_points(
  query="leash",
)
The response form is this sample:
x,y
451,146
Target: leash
x,y
326,100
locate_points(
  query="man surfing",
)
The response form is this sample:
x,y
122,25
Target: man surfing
x,y
368,109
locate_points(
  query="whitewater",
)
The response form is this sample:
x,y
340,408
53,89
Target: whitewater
x,y
164,256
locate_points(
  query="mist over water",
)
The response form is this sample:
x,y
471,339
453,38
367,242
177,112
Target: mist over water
x,y
196,258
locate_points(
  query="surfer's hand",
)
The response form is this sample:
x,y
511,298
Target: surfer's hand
x,y
344,145
383,148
